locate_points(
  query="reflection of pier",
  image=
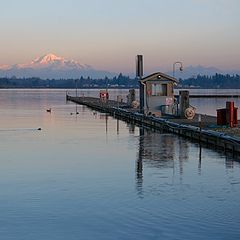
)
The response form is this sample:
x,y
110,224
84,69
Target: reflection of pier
x,y
160,151
167,153
139,163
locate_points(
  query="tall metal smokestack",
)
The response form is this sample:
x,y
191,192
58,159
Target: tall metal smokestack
x,y
139,75
139,66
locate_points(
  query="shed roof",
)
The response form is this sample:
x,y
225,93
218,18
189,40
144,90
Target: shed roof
x,y
159,76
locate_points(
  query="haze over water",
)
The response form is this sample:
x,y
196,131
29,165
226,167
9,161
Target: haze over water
x,y
89,176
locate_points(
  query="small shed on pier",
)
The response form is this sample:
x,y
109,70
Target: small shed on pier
x,y
159,93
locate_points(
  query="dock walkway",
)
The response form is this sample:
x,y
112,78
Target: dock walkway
x,y
183,127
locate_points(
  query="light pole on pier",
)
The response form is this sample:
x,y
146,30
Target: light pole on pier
x,y
174,65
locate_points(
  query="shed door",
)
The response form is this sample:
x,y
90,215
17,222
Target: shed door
x,y
164,89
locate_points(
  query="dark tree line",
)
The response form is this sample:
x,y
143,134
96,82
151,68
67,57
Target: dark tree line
x,y
120,81
215,81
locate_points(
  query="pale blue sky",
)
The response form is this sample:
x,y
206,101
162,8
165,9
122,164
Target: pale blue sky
x,y
107,34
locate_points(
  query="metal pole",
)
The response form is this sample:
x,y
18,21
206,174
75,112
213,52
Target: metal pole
x,y
76,87
174,70
181,67
139,74
141,93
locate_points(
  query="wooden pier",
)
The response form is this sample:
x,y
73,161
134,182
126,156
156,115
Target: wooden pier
x,y
192,129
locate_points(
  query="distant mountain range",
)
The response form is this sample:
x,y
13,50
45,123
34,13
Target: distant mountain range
x,y
51,66
194,71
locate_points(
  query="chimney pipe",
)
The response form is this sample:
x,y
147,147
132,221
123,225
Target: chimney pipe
x,y
139,75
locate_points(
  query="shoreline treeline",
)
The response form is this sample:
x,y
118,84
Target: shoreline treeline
x,y
120,81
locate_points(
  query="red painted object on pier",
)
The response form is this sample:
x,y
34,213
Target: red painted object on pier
x,y
228,116
221,117
103,95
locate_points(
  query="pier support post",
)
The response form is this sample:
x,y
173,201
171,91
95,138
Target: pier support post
x,y
184,102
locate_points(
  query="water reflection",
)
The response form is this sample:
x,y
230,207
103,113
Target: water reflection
x,y
200,160
131,128
183,153
231,162
104,116
170,152
106,122
117,126
158,150
139,163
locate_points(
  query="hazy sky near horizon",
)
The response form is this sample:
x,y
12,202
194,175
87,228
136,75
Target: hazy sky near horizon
x,y
108,34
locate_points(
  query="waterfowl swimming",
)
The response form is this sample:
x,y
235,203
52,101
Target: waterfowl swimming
x,y
49,110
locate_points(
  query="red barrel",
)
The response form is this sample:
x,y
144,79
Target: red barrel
x,y
235,117
230,113
228,116
221,116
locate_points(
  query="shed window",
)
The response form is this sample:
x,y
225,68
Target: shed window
x,y
159,89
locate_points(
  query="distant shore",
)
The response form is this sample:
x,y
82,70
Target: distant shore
x,y
217,81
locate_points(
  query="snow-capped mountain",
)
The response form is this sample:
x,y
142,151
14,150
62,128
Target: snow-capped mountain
x,y
53,61
52,66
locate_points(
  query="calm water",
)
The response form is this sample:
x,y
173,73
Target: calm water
x,y
89,176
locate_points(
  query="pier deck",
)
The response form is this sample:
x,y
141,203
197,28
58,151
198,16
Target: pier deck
x,y
183,127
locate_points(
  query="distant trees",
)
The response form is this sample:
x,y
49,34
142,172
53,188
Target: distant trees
x,y
120,81
215,81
